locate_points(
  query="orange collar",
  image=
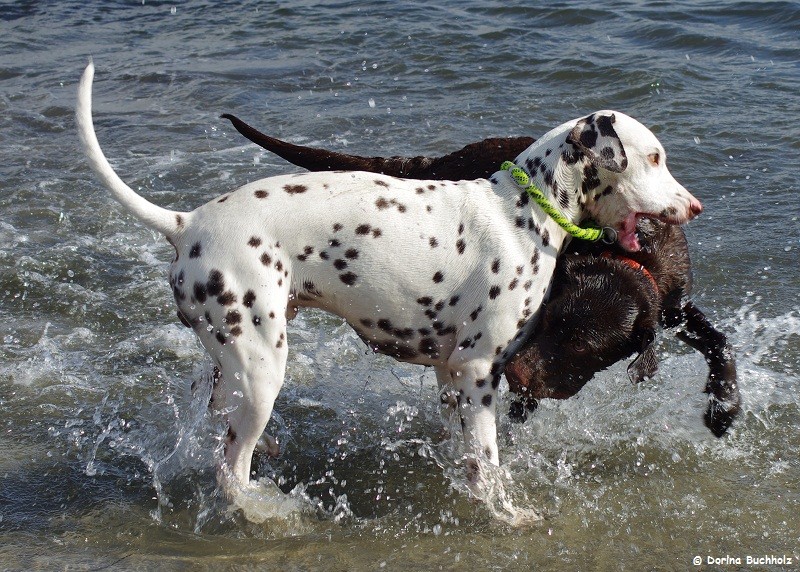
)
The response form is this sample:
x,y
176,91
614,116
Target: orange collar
x,y
633,264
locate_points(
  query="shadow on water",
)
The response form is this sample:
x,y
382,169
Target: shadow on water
x,y
52,497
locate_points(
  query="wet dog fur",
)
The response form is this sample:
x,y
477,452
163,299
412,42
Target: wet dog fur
x,y
605,303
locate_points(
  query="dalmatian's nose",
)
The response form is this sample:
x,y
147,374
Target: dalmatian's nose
x,y
695,207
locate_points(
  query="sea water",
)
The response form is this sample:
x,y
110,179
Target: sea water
x,y
107,456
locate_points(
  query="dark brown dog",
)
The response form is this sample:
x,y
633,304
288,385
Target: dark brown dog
x,y
605,303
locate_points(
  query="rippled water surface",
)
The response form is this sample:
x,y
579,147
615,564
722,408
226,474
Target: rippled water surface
x,y
106,456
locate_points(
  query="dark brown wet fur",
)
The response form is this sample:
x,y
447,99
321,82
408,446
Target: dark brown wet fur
x,y
460,165
601,310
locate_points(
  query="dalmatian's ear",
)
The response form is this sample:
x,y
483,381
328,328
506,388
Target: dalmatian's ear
x,y
596,137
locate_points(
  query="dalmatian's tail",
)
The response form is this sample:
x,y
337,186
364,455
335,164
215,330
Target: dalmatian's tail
x,y
167,222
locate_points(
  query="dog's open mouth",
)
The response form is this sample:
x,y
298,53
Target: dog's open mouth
x,y
626,230
627,235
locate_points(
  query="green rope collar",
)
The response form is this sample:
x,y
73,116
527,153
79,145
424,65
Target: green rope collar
x,y
591,233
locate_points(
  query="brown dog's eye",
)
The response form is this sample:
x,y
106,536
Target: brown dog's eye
x,y
654,158
579,346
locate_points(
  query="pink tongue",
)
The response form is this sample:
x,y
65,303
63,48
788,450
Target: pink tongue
x,y
627,235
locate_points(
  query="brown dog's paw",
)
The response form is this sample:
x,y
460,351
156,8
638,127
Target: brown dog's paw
x,y
720,415
519,409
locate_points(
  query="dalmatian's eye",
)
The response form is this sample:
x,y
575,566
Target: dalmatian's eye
x,y
655,159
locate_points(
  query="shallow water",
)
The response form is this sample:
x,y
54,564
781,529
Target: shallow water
x,y
106,457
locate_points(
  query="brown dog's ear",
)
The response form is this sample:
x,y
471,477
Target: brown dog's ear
x,y
646,363
596,137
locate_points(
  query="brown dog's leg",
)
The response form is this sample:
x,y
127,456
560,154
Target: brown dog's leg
x,y
724,401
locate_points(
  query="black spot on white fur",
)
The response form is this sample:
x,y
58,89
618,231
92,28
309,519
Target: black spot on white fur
x,y
429,347
474,314
226,298
215,284
200,292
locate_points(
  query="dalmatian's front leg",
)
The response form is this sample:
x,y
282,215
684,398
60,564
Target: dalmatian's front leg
x,y
476,405
476,383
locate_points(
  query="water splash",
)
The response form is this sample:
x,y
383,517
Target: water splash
x,y
568,449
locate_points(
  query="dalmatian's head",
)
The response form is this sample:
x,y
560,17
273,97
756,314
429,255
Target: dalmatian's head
x,y
625,175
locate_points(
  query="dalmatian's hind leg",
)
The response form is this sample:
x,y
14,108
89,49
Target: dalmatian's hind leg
x,y
251,380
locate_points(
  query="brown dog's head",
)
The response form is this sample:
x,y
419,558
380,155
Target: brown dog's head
x,y
598,313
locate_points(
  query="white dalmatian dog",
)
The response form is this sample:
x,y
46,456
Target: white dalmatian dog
x,y
443,274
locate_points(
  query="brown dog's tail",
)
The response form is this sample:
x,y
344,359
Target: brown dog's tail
x,y
475,161
311,158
